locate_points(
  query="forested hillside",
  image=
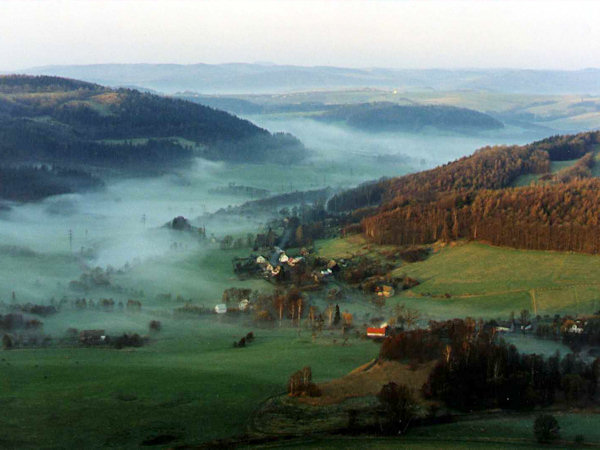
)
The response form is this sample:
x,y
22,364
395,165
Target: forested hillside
x,y
472,198
49,119
488,168
384,116
34,183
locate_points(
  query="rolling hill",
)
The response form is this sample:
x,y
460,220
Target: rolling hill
x,y
390,117
474,198
59,122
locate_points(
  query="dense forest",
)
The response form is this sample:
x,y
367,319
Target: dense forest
x,y
54,120
488,168
34,183
51,121
475,370
385,116
472,198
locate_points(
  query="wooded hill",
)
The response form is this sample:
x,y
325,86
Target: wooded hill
x,y
390,117
56,120
473,198
371,116
34,183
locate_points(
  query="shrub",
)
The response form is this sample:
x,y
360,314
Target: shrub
x,y
128,340
7,342
398,405
545,428
263,316
155,325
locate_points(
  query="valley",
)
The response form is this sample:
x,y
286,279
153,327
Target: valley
x,y
129,345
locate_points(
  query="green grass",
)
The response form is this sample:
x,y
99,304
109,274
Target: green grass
x,y
555,166
486,281
491,281
191,383
490,433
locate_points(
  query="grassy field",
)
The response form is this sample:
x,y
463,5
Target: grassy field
x,y
489,433
555,166
190,384
487,281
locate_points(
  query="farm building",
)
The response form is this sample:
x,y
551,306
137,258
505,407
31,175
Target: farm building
x,y
244,305
92,337
377,332
384,290
221,308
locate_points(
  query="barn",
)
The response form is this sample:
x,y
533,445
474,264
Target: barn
x,y
377,332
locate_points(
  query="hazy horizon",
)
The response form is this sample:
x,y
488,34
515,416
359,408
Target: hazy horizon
x,y
552,35
267,64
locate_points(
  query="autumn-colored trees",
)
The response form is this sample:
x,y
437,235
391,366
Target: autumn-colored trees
x,y
472,198
300,383
549,217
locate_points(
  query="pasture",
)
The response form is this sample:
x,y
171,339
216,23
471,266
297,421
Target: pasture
x,y
190,385
479,280
494,432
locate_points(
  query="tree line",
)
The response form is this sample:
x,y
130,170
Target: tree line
x,y
561,217
472,198
475,370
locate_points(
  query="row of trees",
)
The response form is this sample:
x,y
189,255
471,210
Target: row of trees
x,y
26,183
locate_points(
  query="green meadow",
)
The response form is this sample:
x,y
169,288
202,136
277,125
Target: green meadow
x,y
479,280
493,432
492,281
189,385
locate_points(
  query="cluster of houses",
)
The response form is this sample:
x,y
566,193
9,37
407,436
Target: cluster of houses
x,y
273,266
278,265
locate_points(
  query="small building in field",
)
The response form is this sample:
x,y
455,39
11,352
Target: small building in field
x,y
221,308
377,332
92,337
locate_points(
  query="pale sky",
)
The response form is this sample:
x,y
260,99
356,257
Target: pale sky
x,y
399,34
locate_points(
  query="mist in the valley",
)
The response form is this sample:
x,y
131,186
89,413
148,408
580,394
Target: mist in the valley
x,y
377,150
48,245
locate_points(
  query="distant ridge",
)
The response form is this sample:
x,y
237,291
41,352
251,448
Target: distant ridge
x,y
261,78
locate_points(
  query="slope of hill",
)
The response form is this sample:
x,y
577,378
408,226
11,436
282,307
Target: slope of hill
x,y
34,183
255,78
54,120
472,198
546,114
384,116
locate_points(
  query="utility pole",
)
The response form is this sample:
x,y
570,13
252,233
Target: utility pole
x,y
70,240
144,220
